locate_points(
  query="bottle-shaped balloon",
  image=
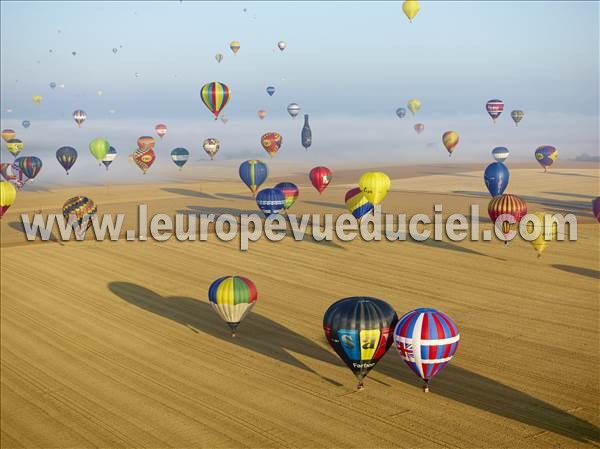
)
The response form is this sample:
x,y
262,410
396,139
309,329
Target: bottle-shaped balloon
x,y
306,134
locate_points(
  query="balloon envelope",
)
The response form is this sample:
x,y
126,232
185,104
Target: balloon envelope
x,y
357,203
270,90
8,194
496,177
79,116
426,340
494,108
99,147
161,130
144,158
419,127
359,329
281,45
506,204
500,153
215,96
517,115
271,142
546,229
180,156
8,134
450,140
290,193
270,201
15,146
262,114
211,147
232,297
235,46
410,9
413,105
293,109
374,186
79,209
546,155
596,208
320,177
400,112
26,124
66,157
253,173
110,157
146,142
29,165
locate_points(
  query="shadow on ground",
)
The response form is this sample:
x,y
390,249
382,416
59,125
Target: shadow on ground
x,y
594,274
269,338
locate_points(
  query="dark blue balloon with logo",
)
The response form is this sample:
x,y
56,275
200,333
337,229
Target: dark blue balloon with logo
x,y
270,201
496,178
270,90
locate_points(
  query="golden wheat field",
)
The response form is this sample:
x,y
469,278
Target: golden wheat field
x,y
114,344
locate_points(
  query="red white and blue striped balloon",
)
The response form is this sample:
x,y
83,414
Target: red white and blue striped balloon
x,y
494,108
426,340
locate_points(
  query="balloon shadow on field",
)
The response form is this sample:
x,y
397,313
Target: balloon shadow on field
x,y
18,226
269,338
594,274
237,196
188,192
441,244
574,195
256,333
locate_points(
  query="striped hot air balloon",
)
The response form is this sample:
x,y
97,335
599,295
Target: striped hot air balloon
x,y
14,146
79,209
500,153
507,205
232,297
180,156
79,116
29,165
215,96
146,142
290,193
110,157
270,201
517,115
8,134
426,340
357,203
494,108
253,173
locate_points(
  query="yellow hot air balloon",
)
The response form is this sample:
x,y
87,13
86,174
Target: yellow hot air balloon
x,y
8,134
450,140
411,9
37,99
235,46
547,225
374,186
8,193
414,105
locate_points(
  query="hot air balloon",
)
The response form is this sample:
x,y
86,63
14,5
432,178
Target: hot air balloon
x,y
52,85
99,93
224,119
26,124
110,157
74,53
357,203
161,130
401,112
506,204
293,109
6,172
211,146
8,134
235,46
146,142
270,201
144,158
219,57
426,340
281,45
79,212
500,153
29,165
413,106
306,135
517,115
419,127
320,177
79,116
546,155
15,146
8,194
271,142
450,140
359,329
262,114
545,225
66,157
494,108
215,96
411,9
37,99
270,90
180,156
253,173
115,50
15,175
290,193
232,297
99,147
596,208
374,186
496,177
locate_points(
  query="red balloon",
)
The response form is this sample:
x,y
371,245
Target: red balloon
x,y
507,204
596,208
320,177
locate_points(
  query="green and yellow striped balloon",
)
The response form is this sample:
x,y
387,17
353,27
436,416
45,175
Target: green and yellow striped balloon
x,y
215,96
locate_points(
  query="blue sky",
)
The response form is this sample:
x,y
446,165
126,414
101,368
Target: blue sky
x,y
346,63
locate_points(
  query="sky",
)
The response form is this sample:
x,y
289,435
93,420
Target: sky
x,y
349,65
